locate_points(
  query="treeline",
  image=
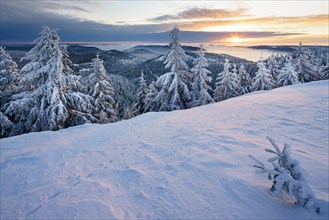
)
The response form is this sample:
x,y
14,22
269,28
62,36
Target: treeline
x,y
46,94
183,87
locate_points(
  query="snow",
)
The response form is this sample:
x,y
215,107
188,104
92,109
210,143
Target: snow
x,y
183,164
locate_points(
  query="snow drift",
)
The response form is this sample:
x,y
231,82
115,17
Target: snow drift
x,y
184,164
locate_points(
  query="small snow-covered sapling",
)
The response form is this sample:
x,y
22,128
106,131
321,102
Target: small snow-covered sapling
x,y
287,175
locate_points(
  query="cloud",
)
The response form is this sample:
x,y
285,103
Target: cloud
x,y
93,3
202,13
311,19
33,7
22,23
271,21
53,6
203,18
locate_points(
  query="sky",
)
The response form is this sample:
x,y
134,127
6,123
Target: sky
x,y
233,22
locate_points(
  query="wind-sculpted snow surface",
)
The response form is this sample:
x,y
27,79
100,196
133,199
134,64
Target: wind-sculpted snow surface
x,y
183,164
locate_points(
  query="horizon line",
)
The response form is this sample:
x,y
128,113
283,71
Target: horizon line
x,y
223,43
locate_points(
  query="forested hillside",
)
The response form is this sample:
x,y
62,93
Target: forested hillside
x,y
50,86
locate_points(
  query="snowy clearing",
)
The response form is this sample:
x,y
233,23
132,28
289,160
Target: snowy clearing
x,y
184,164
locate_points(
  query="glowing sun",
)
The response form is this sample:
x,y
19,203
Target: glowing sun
x,y
235,40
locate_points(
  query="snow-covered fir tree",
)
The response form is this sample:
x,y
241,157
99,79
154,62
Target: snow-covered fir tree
x,y
125,93
235,71
321,53
273,67
9,76
139,107
200,87
245,80
288,177
288,75
263,79
71,79
172,94
102,92
305,65
322,61
5,126
128,113
172,91
46,101
280,61
227,84
176,57
66,60
152,93
324,72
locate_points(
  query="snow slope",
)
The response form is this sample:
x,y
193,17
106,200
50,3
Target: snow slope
x,y
183,164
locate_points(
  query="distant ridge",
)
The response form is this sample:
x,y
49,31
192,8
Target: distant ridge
x,y
158,48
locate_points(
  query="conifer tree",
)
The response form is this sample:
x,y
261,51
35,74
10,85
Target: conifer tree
x,y
173,93
305,66
227,85
9,76
128,113
200,87
5,126
288,75
71,79
102,92
280,61
46,101
324,70
245,80
152,93
322,62
66,60
235,71
263,79
139,107
288,177
273,67
176,57
124,94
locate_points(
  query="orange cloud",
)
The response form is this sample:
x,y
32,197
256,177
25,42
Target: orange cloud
x,y
272,22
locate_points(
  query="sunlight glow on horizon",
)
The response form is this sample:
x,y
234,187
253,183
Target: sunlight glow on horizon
x,y
235,40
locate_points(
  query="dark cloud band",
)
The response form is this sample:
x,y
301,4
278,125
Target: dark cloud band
x,y
22,23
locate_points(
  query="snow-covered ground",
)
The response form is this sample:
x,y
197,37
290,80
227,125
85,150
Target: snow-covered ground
x,y
183,164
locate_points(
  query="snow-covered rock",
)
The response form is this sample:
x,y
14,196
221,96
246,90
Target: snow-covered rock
x,y
183,164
